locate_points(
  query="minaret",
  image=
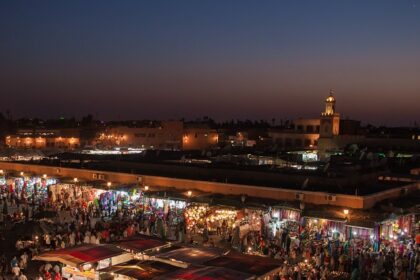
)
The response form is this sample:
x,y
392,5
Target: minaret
x,y
330,104
330,120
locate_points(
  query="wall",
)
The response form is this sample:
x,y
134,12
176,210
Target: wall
x,y
42,142
295,140
199,138
167,135
349,201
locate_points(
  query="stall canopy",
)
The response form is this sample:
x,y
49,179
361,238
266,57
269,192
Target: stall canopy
x,y
141,270
206,273
140,244
80,255
192,255
253,265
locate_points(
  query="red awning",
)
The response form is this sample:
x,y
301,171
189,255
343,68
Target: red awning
x,y
206,273
140,245
80,255
254,265
192,255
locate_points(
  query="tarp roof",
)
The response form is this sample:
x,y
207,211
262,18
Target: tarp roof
x,y
192,255
80,255
140,244
206,273
141,270
254,265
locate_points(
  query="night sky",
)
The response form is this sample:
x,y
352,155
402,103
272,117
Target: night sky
x,y
224,59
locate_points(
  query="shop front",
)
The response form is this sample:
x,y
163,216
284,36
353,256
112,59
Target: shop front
x,y
281,218
397,230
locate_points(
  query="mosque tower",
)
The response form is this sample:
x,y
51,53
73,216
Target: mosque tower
x,y
330,120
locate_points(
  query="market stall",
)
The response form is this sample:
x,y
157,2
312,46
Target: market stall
x,y
282,218
134,269
333,229
27,187
85,261
164,212
248,220
216,219
262,267
397,231
190,255
141,246
208,273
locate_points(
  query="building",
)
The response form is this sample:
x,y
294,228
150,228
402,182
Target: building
x,y
44,139
165,135
303,134
336,134
199,137
151,135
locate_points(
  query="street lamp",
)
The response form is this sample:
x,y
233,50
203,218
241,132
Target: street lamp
x,y
346,211
44,176
108,184
146,188
21,173
75,180
189,193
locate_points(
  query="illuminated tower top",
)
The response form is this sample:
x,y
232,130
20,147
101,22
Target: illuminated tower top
x,y
329,104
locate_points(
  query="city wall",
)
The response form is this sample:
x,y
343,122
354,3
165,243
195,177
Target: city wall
x,y
350,201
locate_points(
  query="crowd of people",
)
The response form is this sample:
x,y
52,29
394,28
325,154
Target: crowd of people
x,y
83,217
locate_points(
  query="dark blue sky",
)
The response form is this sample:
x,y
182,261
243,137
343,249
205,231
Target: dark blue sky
x,y
226,59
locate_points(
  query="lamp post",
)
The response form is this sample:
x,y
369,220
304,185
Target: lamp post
x,y
146,188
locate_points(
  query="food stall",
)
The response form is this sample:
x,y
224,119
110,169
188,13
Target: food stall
x,y
217,218
248,220
83,262
141,246
135,270
262,267
190,255
207,272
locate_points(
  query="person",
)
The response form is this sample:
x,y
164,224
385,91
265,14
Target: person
x,y
24,259
47,267
22,277
47,239
14,266
56,269
205,234
47,275
16,270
